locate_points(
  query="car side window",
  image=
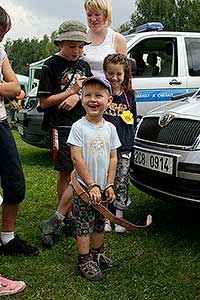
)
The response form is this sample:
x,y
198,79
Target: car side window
x,y
155,57
193,50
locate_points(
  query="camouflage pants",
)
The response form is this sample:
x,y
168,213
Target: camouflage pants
x,y
87,218
121,181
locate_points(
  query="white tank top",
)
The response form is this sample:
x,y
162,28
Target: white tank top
x,y
3,114
95,55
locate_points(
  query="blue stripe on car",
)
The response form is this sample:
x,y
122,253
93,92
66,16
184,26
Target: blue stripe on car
x,y
159,95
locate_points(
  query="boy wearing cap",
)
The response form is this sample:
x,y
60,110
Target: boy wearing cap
x,y
58,91
93,142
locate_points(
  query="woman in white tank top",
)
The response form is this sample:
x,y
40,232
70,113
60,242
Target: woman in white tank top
x,y
103,39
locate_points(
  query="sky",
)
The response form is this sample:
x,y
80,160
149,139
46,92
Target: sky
x,y
34,18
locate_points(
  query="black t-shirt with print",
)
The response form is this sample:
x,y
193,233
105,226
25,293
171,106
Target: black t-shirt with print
x,y
58,73
112,114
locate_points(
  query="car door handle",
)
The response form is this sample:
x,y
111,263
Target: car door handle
x,y
175,82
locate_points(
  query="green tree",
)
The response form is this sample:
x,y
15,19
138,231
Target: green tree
x,y
22,52
155,10
178,15
188,15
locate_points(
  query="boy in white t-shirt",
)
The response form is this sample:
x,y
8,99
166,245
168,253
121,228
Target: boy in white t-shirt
x,y
93,142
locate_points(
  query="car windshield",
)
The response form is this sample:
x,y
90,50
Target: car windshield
x,y
34,71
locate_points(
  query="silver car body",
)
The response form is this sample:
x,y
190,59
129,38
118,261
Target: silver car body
x,y
167,151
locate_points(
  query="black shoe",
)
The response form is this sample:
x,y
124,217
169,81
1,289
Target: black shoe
x,y
18,247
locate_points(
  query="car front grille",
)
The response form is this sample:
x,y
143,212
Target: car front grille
x,y
181,132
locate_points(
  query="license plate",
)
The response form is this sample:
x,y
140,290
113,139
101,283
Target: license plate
x,y
155,161
21,130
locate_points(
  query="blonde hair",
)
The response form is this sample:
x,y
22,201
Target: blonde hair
x,y
103,5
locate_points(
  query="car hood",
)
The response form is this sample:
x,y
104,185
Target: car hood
x,y
189,107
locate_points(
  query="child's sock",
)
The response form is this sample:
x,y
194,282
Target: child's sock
x,y
95,252
59,215
7,237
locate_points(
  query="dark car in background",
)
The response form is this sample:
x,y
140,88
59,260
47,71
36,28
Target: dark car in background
x,y
166,161
29,122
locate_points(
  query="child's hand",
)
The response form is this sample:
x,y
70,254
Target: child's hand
x,y
78,84
110,194
69,103
95,194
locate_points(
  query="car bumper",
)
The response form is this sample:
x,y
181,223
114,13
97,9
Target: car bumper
x,y
182,186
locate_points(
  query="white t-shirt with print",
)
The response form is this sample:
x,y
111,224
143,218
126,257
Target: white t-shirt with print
x,y
96,143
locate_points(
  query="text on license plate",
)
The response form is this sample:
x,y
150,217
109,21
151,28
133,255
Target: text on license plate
x,y
154,161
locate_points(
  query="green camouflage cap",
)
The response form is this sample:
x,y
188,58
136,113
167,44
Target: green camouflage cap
x,y
72,31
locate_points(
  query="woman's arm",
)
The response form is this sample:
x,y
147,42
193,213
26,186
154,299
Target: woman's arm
x,y
10,86
120,44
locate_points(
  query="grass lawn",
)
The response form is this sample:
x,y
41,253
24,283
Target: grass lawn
x,y
159,263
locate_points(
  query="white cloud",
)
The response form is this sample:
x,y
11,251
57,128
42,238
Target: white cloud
x,y
34,18
25,24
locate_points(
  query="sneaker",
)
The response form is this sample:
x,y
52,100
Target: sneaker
x,y
18,247
105,262
120,229
10,287
108,227
90,270
50,229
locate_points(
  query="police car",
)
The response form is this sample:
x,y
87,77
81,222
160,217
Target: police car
x,y
167,63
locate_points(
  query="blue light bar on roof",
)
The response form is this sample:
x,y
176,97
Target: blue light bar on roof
x,y
151,26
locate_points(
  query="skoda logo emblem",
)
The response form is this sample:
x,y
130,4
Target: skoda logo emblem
x,y
165,119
